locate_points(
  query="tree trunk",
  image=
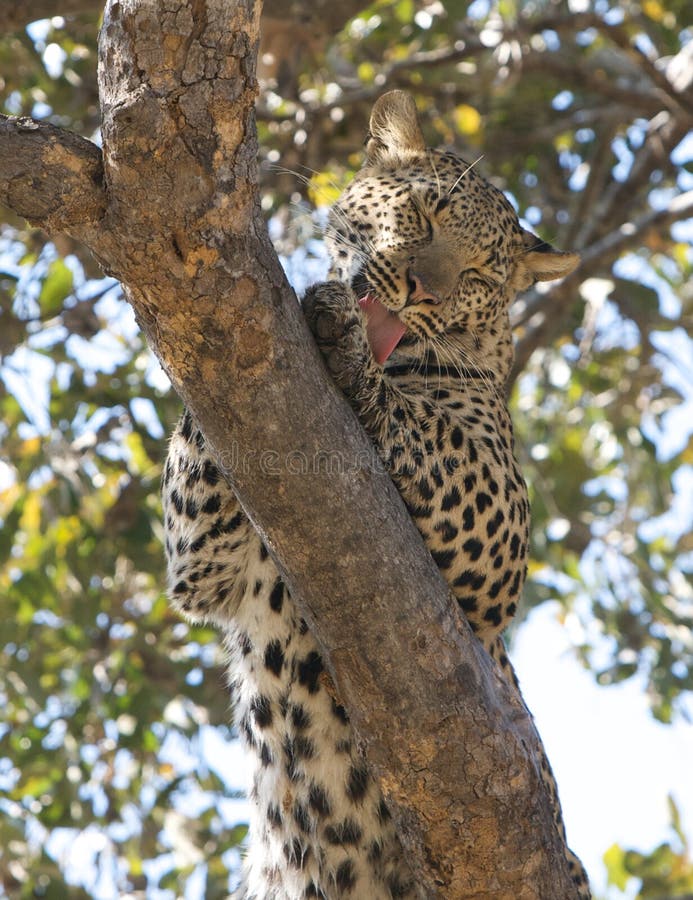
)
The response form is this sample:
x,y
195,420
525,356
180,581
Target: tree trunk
x,y
176,218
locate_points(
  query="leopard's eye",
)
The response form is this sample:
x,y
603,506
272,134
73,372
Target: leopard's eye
x,y
483,268
423,215
482,273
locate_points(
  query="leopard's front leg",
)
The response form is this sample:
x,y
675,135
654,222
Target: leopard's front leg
x,y
213,551
339,327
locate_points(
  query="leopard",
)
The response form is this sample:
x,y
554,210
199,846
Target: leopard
x,y
414,328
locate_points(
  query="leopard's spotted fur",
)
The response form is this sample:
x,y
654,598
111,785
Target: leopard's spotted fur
x,y
436,243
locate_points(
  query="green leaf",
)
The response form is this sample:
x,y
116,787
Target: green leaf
x,y
57,285
614,860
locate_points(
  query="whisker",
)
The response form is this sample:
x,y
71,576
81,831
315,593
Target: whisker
x,y
468,169
452,355
431,160
340,241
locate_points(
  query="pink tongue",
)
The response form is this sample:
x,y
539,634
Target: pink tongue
x,y
383,327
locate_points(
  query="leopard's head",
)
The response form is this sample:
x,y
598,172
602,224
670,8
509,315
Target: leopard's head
x,y
425,235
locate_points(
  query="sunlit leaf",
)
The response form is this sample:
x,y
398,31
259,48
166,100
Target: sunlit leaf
x,y
366,72
467,120
322,190
653,9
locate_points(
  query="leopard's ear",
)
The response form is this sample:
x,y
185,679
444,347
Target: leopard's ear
x,y
540,261
394,132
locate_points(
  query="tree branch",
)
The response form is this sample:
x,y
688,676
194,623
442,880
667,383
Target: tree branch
x,y
664,132
326,16
582,219
677,100
51,177
183,231
598,257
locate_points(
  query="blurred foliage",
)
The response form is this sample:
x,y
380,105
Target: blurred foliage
x,y
103,691
111,707
665,873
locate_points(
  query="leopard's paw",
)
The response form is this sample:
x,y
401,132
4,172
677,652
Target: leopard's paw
x,y
338,326
330,311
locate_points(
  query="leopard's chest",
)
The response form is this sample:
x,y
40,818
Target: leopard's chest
x,y
466,494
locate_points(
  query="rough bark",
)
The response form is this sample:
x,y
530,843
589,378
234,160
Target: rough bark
x,y
181,229
50,176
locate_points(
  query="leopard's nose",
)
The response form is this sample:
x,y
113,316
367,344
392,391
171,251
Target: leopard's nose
x,y
417,291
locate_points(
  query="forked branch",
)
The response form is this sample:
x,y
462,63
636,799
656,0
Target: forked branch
x,y
182,230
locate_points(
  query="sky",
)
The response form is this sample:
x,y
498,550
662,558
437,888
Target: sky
x,y
614,763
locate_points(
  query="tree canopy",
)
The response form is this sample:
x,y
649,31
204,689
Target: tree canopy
x,y
113,709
